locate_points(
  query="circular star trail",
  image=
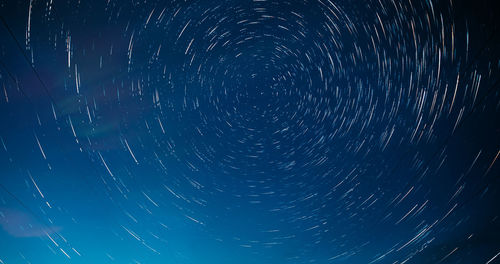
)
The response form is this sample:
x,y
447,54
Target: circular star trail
x,y
249,132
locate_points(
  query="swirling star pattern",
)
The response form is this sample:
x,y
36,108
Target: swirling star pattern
x,y
261,131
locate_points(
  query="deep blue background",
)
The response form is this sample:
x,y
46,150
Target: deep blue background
x,y
265,132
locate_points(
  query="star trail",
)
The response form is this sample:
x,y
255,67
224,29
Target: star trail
x,y
249,131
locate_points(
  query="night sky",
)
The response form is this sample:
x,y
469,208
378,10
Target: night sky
x,y
249,131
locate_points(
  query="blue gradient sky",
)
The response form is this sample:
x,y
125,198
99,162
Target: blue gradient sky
x,y
249,132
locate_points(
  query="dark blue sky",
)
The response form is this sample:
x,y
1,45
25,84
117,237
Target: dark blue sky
x,y
249,132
